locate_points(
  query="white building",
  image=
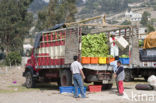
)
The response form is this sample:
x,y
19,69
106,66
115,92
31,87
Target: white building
x,y
142,33
133,17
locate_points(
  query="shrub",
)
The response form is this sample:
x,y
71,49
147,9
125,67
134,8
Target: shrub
x,y
13,58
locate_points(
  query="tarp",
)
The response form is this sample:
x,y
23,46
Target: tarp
x,y
150,40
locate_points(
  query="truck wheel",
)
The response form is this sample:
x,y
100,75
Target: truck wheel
x,y
30,82
66,78
128,77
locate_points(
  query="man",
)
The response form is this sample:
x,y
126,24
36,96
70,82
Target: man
x,y
114,64
114,50
78,74
120,76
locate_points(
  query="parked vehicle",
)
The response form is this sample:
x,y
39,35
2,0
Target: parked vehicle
x,y
141,62
52,55
54,49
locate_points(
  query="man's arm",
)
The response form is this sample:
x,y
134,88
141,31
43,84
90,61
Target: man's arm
x,y
119,70
83,76
110,40
81,71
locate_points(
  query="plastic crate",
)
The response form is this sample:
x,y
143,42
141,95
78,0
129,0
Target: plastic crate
x,y
68,89
95,88
85,89
94,60
85,60
124,60
102,60
109,60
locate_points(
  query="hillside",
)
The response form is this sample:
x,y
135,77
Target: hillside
x,y
37,5
87,8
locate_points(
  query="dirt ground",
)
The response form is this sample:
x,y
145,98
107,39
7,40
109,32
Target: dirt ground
x,y
12,90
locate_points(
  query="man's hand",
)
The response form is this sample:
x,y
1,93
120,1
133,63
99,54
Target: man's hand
x,y
115,75
83,77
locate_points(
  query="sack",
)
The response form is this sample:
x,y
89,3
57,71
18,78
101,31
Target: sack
x,y
143,87
150,40
152,81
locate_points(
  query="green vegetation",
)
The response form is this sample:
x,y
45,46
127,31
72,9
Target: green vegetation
x,y
124,56
15,23
141,43
13,58
110,56
95,45
14,89
150,28
57,12
144,20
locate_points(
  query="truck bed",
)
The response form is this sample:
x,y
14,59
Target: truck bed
x,y
98,67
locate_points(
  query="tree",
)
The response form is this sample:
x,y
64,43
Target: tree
x,y
15,23
58,11
144,19
150,28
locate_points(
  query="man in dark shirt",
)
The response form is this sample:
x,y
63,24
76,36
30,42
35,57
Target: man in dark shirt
x,y
120,76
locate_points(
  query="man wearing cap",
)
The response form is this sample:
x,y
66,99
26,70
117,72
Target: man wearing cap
x,y
114,50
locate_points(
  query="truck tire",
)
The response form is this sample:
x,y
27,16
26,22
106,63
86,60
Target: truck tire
x,y
104,86
143,87
30,82
66,78
128,75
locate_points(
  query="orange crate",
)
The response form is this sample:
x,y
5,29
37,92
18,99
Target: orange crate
x,y
94,60
95,88
109,60
85,60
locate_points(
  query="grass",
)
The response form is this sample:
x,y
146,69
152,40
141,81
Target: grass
x,y
14,89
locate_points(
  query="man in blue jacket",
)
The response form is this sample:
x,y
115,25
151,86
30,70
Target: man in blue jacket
x,y
120,76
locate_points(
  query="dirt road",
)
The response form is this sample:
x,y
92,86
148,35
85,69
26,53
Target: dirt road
x,y
15,92
53,96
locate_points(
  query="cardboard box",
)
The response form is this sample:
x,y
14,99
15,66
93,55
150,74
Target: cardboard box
x,y
121,42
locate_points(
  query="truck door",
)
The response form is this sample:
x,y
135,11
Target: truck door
x,y
71,44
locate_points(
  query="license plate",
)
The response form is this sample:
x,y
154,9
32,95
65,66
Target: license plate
x,y
105,81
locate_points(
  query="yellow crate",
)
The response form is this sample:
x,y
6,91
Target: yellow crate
x,y
102,60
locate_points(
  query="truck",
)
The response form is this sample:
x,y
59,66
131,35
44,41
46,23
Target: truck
x,y
52,56
54,49
141,61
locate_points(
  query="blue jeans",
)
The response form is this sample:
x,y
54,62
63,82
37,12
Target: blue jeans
x,y
78,83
